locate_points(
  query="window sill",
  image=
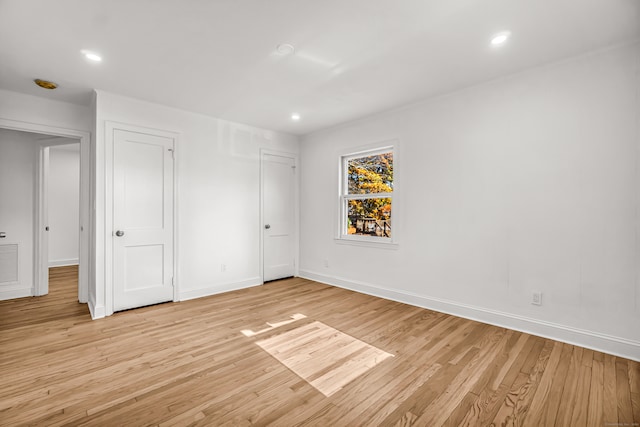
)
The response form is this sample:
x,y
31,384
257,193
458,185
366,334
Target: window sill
x,y
366,243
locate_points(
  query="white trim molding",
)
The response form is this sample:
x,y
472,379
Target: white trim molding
x,y
97,311
15,293
617,346
219,289
63,262
41,225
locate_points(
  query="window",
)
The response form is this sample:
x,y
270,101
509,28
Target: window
x,y
366,194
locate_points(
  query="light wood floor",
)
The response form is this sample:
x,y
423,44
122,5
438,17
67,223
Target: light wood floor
x,y
189,364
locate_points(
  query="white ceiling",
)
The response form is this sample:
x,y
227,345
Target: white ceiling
x,y
353,57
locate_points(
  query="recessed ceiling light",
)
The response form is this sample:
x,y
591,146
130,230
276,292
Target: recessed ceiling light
x,y
295,117
499,38
45,84
91,56
285,49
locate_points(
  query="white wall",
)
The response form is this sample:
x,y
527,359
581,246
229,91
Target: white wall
x,y
64,202
18,159
218,169
530,182
33,109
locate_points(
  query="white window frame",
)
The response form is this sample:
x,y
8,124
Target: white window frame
x,y
344,197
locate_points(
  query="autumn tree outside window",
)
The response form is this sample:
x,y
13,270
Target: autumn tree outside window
x,y
366,195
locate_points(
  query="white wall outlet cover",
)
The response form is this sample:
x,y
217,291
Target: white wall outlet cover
x,y
536,298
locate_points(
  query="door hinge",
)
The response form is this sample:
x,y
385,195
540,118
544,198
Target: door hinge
x,y
172,153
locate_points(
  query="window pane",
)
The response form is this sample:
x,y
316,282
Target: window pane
x,y
370,217
370,174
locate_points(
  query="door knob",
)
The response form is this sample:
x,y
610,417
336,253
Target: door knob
x,y
267,226
119,233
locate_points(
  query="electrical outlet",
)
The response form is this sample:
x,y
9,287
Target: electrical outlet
x,y
326,263
536,298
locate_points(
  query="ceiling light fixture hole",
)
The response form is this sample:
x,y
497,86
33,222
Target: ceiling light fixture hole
x,y
46,84
285,49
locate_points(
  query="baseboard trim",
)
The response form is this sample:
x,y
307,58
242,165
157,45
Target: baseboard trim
x,y
218,289
15,293
617,346
97,312
63,262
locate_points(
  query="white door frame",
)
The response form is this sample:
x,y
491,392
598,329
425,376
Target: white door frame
x,y
42,215
296,213
110,128
41,224
41,259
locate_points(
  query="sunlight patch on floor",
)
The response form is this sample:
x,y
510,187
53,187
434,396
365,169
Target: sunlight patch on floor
x,y
292,318
323,356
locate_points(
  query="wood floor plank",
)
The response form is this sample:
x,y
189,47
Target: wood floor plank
x,y
514,352
568,399
536,410
609,402
489,401
596,393
379,409
429,391
583,386
634,387
445,404
456,416
189,363
623,393
517,401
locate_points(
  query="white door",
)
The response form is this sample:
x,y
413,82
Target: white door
x,y
142,219
278,180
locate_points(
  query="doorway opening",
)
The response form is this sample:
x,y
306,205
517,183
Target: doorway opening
x,y
59,208
30,232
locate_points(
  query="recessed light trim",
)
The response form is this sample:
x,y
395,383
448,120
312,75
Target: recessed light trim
x,y
295,117
500,38
91,56
285,49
